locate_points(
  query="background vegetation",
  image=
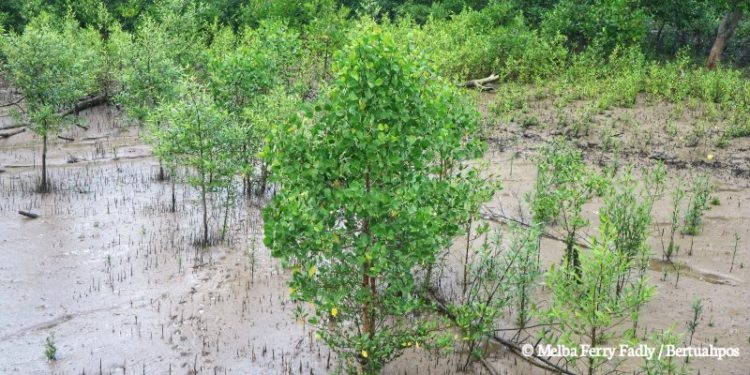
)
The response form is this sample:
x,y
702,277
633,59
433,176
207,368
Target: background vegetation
x,y
350,111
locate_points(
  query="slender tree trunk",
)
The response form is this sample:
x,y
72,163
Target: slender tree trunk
x,y
174,199
593,345
572,253
161,171
367,281
226,217
726,29
466,260
657,43
263,179
205,213
43,188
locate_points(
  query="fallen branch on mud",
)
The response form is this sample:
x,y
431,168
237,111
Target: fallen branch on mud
x,y
29,214
10,134
75,110
66,138
515,348
85,104
480,83
13,126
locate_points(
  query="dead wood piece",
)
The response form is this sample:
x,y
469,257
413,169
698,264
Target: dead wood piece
x,y
72,159
83,105
29,214
10,134
80,106
12,126
480,83
66,138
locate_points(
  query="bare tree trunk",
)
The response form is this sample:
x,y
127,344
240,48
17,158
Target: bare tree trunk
x,y
466,261
226,215
261,192
43,188
657,43
205,213
174,198
726,29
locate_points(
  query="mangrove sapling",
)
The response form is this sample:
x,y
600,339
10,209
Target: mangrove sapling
x,y
498,276
194,132
50,349
355,224
473,201
150,74
697,205
485,296
584,307
629,212
229,197
525,271
673,248
564,183
692,324
275,107
655,181
52,66
247,75
734,253
664,365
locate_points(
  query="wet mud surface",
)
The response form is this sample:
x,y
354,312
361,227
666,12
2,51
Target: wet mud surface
x,y
118,279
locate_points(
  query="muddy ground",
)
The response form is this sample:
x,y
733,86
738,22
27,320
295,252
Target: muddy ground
x,y
116,277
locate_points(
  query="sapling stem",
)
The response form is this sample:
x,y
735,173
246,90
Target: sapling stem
x,y
734,254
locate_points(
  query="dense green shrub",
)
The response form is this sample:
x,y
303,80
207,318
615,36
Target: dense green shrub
x,y
374,185
604,22
496,40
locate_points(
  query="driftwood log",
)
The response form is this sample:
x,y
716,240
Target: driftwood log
x,y
66,138
75,110
29,214
480,83
84,104
10,134
12,126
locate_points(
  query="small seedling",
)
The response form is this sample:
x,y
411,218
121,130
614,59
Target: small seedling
x,y
697,206
697,307
734,254
673,248
50,350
